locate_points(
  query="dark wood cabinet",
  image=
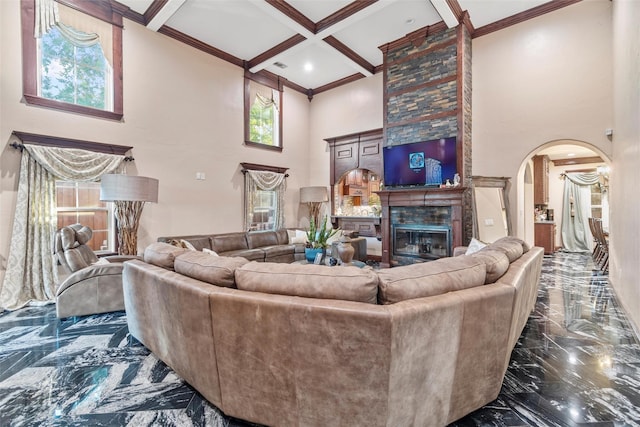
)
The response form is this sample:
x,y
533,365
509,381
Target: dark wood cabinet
x,y
356,151
545,236
541,180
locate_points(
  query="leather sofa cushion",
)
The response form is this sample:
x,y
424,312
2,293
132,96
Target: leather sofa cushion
x,y
513,249
525,245
430,278
283,236
198,241
496,262
162,254
228,242
259,239
249,254
311,281
217,270
278,250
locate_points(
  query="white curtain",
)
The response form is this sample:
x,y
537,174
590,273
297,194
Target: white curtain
x,y
78,28
31,274
266,181
576,235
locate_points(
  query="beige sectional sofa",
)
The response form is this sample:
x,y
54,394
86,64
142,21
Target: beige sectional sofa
x,y
262,246
309,345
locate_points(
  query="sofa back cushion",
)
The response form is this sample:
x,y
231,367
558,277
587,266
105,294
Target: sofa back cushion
x,y
495,261
197,241
525,245
309,280
283,236
511,247
162,254
260,239
430,278
229,242
217,270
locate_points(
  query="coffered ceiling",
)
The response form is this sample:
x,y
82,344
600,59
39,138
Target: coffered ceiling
x,y
318,44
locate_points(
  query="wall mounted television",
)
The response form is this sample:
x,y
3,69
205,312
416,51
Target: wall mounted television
x,y
425,163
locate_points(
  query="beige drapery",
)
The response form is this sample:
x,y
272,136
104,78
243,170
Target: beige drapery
x,y
77,27
267,181
31,274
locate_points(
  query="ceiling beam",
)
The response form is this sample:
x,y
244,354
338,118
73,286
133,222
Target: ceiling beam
x,y
445,12
160,12
320,33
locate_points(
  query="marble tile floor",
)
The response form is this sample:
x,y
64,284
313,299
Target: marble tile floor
x,y
577,363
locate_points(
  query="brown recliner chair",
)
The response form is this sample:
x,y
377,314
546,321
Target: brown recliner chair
x,y
94,286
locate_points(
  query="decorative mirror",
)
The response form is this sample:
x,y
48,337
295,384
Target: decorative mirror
x,y
490,208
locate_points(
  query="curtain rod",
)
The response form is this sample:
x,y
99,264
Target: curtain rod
x,y
21,147
244,172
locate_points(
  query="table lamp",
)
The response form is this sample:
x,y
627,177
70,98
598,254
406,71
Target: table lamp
x,y
129,194
314,197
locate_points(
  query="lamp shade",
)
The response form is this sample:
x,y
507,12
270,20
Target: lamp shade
x,y
115,187
313,194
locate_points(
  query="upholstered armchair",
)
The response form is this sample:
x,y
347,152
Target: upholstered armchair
x,y
93,285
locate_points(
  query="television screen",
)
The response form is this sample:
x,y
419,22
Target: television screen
x,y
425,163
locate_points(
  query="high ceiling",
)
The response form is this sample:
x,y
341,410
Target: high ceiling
x,y
315,44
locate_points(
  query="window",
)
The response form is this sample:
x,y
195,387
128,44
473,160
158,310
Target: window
x,y
73,74
263,112
264,210
84,80
79,202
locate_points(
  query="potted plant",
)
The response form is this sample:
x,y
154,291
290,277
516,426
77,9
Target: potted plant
x,y
317,239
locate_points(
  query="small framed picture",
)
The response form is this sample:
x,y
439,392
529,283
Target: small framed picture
x,y
318,259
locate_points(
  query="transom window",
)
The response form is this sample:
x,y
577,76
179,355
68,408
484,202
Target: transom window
x,y
75,65
79,203
263,112
74,74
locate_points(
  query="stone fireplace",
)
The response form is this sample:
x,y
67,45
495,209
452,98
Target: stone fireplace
x,y
427,96
420,224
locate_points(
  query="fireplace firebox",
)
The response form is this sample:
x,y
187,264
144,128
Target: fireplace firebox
x,y
418,220
425,242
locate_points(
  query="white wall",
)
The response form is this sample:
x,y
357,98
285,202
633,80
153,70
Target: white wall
x,y
542,80
624,269
183,113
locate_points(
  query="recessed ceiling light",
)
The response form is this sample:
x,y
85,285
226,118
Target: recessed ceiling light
x,y
409,21
308,66
571,155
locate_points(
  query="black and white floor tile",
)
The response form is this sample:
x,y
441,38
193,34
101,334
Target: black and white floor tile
x,y
577,363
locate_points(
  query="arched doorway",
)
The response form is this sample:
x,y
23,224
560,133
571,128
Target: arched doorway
x,y
564,155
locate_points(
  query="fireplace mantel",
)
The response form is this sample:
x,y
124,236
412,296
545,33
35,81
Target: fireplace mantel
x,y
420,196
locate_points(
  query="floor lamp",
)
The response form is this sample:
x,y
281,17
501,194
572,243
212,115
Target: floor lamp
x,y
129,194
314,197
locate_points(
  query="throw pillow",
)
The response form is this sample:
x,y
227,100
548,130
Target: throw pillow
x,y
300,237
209,251
475,246
187,245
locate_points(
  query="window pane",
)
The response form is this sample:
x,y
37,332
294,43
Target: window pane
x,y
72,74
79,203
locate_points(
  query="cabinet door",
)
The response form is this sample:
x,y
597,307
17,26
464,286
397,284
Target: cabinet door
x,y
345,159
371,155
541,180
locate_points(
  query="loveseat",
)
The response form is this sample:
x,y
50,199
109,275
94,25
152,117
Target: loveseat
x,y
310,345
261,246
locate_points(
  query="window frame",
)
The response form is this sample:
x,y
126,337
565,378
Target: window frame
x,y
273,82
99,10
108,208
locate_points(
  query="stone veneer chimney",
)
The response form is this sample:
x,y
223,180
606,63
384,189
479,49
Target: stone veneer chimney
x,y
427,95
